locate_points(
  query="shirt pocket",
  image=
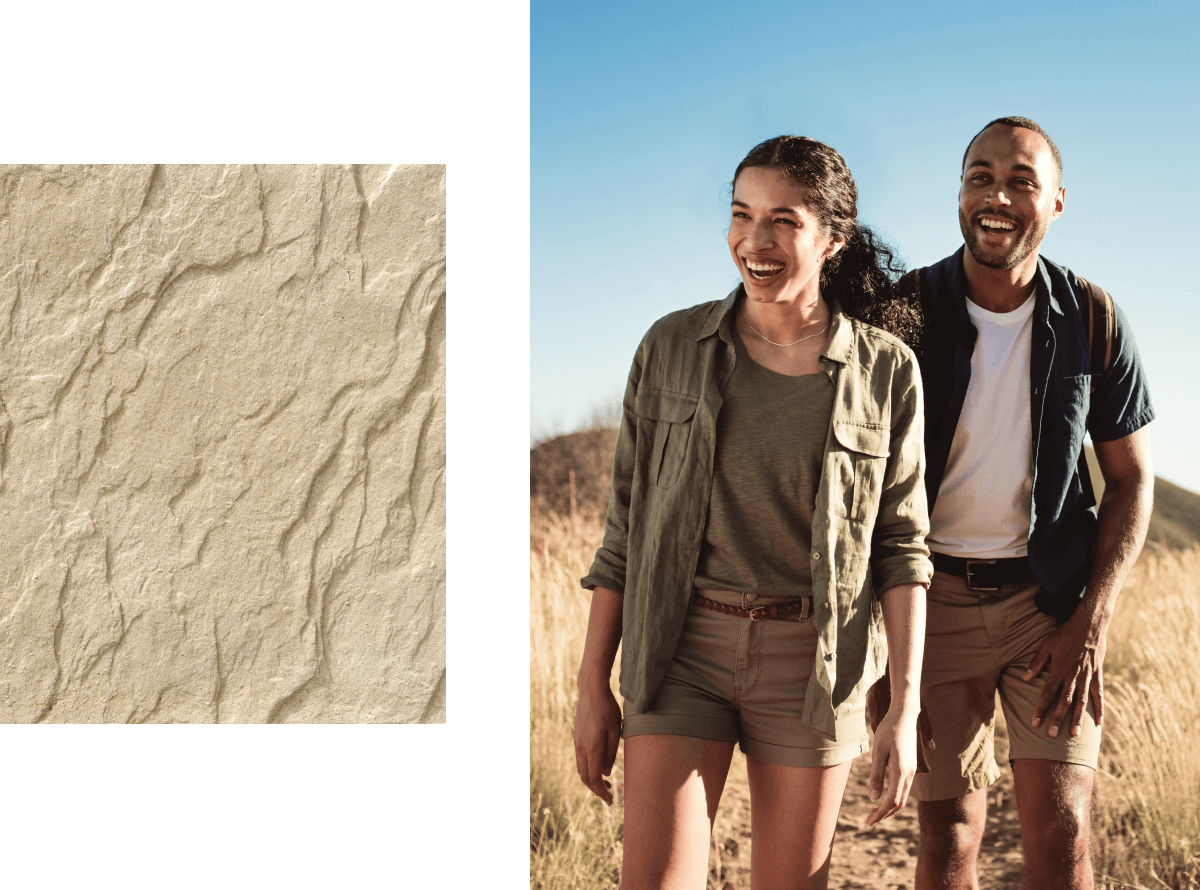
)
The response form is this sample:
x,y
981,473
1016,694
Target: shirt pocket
x,y
665,420
859,469
1064,418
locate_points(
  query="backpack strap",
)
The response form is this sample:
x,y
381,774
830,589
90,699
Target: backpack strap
x,y
1100,316
1101,328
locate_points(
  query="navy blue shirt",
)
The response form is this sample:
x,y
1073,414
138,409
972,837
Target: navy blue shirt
x,y
1062,532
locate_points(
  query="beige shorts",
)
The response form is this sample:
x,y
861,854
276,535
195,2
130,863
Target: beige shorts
x,y
744,681
976,643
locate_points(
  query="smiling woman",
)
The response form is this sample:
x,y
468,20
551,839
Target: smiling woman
x,y
858,271
764,542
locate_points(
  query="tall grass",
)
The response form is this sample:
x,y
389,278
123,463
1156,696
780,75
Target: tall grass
x,y
574,838
1148,788
1148,810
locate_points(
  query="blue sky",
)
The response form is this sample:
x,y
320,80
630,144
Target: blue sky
x,y
640,114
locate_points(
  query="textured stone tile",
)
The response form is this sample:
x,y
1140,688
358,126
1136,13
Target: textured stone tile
x,y
222,444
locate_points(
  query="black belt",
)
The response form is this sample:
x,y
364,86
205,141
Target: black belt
x,y
985,574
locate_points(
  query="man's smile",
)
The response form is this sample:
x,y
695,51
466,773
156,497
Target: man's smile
x,y
999,225
995,221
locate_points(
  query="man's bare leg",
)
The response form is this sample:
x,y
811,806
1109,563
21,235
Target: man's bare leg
x,y
1054,803
948,848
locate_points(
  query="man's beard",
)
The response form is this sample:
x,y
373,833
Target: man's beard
x,y
1016,254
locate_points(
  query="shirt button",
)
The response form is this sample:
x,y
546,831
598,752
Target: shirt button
x,y
816,555
828,607
829,657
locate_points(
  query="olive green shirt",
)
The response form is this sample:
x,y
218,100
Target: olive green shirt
x,y
766,471
869,521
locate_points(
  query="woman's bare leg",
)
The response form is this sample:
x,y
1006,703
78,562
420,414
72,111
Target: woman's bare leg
x,y
793,816
673,784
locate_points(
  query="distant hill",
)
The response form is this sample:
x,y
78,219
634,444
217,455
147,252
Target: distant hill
x,y
1175,522
588,454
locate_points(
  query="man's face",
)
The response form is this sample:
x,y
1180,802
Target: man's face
x,y
1009,196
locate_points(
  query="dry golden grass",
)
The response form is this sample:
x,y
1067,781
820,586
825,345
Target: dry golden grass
x,y
1148,802
574,839
1148,811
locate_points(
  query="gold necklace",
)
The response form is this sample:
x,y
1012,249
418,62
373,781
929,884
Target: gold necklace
x,y
746,318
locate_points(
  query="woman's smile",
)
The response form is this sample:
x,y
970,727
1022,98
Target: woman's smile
x,y
763,271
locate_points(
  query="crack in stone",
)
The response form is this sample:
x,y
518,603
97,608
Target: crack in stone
x,y
223,431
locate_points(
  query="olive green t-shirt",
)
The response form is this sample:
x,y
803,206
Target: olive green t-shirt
x,y
770,447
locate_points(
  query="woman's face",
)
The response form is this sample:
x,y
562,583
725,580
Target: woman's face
x,y
777,244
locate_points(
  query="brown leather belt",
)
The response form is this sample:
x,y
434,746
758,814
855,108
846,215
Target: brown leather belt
x,y
985,574
797,611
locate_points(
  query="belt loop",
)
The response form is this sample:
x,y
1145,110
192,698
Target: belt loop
x,y
806,609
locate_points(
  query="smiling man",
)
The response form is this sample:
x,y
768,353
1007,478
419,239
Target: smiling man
x,y
1026,575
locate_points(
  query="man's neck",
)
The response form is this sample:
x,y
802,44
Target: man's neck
x,y
999,290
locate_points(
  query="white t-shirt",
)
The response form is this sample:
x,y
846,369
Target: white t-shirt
x,y
982,507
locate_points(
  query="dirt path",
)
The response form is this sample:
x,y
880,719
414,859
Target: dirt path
x,y
879,858
885,856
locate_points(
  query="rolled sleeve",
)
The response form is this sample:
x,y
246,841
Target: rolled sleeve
x,y
1121,405
608,568
899,554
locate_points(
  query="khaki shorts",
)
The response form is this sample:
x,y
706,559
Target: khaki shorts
x,y
978,642
744,681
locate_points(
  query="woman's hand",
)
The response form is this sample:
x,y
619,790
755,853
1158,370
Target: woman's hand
x,y
597,715
894,758
879,702
894,753
597,732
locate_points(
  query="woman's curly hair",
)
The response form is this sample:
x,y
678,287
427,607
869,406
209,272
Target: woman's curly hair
x,y
862,275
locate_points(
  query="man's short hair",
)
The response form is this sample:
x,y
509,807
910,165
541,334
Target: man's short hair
x,y
1027,124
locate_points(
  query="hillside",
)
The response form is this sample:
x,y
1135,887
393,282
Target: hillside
x,y
1175,522
588,454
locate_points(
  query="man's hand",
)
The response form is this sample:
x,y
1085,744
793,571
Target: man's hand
x,y
1075,653
879,700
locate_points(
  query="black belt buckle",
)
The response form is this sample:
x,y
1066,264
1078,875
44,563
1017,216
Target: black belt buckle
x,y
971,585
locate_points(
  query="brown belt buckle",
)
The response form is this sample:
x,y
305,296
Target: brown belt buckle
x,y
970,582
758,614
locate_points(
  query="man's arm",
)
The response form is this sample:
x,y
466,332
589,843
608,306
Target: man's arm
x,y
1075,650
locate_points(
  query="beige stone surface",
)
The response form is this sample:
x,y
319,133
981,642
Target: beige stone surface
x,y
222,444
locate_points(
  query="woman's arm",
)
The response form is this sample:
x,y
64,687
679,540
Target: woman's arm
x,y
597,715
894,752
